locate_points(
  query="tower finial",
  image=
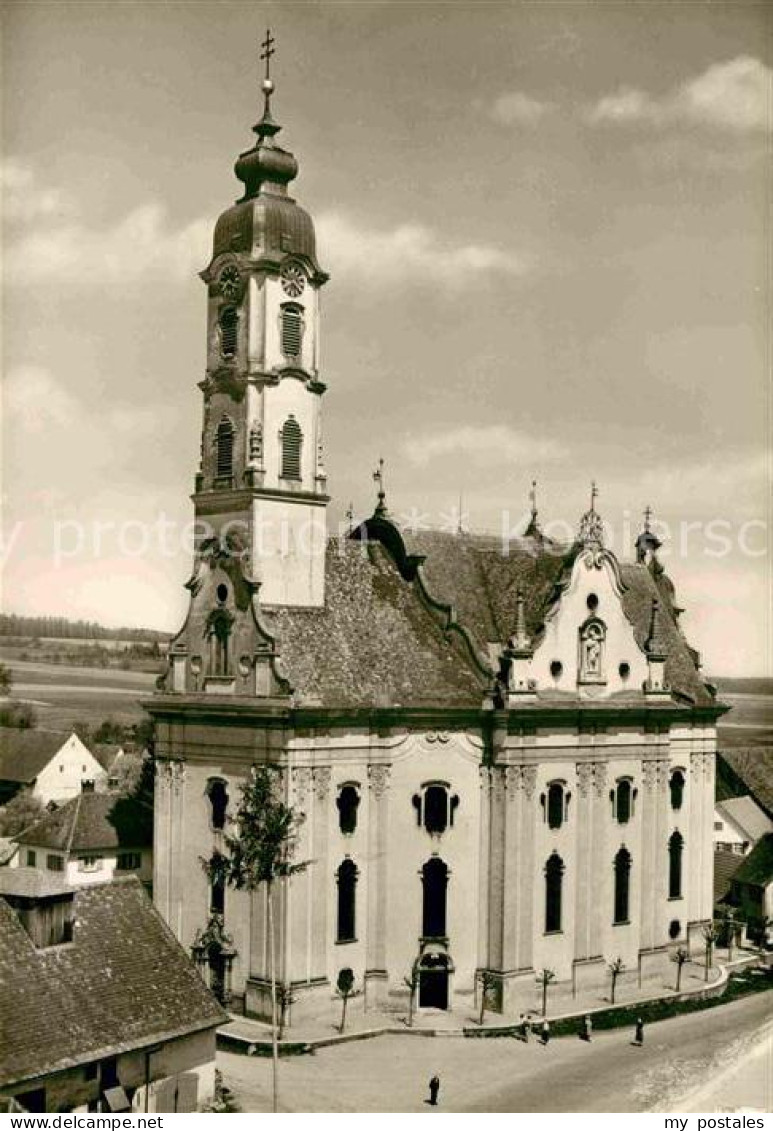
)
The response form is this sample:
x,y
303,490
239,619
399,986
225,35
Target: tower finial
x,y
267,127
647,517
533,530
591,524
594,491
350,517
378,477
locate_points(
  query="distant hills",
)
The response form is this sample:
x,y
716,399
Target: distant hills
x,y
61,628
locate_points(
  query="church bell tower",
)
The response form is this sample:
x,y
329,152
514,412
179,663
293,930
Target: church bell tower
x,y
261,483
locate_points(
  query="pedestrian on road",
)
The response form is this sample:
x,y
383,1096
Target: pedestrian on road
x,y
639,1033
545,1032
587,1027
434,1089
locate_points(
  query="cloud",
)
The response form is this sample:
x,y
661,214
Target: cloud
x,y
492,444
61,247
736,95
516,108
34,400
22,199
409,252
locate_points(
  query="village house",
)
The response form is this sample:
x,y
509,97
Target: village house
x,y
91,839
51,767
102,1009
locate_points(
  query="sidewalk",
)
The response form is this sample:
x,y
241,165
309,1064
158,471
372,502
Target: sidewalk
x,y
242,1032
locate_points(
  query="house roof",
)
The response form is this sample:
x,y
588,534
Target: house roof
x,y
24,753
745,813
413,619
757,868
726,864
33,883
123,982
8,849
753,767
92,821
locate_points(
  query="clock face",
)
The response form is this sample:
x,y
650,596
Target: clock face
x,y
293,280
230,281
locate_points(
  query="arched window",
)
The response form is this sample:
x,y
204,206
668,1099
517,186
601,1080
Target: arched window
x,y
224,447
292,329
218,800
348,801
292,438
434,877
347,898
557,799
623,796
554,873
675,849
217,896
622,885
229,324
593,635
676,785
435,807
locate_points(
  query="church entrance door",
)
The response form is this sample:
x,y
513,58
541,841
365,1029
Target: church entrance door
x,y
433,982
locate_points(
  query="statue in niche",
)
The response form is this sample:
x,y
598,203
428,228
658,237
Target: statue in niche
x,y
592,637
219,624
256,443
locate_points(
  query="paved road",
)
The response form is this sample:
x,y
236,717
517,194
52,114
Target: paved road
x,y
389,1074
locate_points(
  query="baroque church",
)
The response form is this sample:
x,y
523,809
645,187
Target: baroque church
x,y
503,753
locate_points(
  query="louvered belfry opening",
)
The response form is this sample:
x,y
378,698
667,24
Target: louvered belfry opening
x,y
225,449
292,330
292,438
229,321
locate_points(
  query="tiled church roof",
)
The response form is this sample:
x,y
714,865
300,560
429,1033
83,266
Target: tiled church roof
x,y
383,637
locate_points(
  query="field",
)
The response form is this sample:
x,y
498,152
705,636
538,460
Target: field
x,y
62,695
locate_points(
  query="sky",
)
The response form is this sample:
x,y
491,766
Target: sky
x,y
547,227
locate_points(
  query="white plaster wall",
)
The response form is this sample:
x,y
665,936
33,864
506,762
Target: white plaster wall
x,y
289,551
561,640
62,778
289,397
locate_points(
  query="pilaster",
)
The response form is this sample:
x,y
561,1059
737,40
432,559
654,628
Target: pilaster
x,y
376,975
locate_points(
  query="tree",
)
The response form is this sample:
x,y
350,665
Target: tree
x,y
615,969
345,990
260,851
680,956
488,983
412,982
21,811
544,978
6,682
19,715
710,935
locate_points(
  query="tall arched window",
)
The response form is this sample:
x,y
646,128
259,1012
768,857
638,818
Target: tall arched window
x,y
622,885
224,447
676,786
217,896
347,899
229,324
554,878
622,801
675,849
292,329
556,802
218,800
434,877
435,807
292,438
347,802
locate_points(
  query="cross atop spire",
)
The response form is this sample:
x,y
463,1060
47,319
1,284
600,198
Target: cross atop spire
x,y
266,53
378,477
647,517
594,494
533,500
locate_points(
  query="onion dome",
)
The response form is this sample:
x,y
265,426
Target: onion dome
x,y
266,222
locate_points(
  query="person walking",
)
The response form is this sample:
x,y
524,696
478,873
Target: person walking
x,y
587,1027
639,1032
545,1032
434,1089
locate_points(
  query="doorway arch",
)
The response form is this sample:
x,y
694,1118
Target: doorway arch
x,y
435,969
